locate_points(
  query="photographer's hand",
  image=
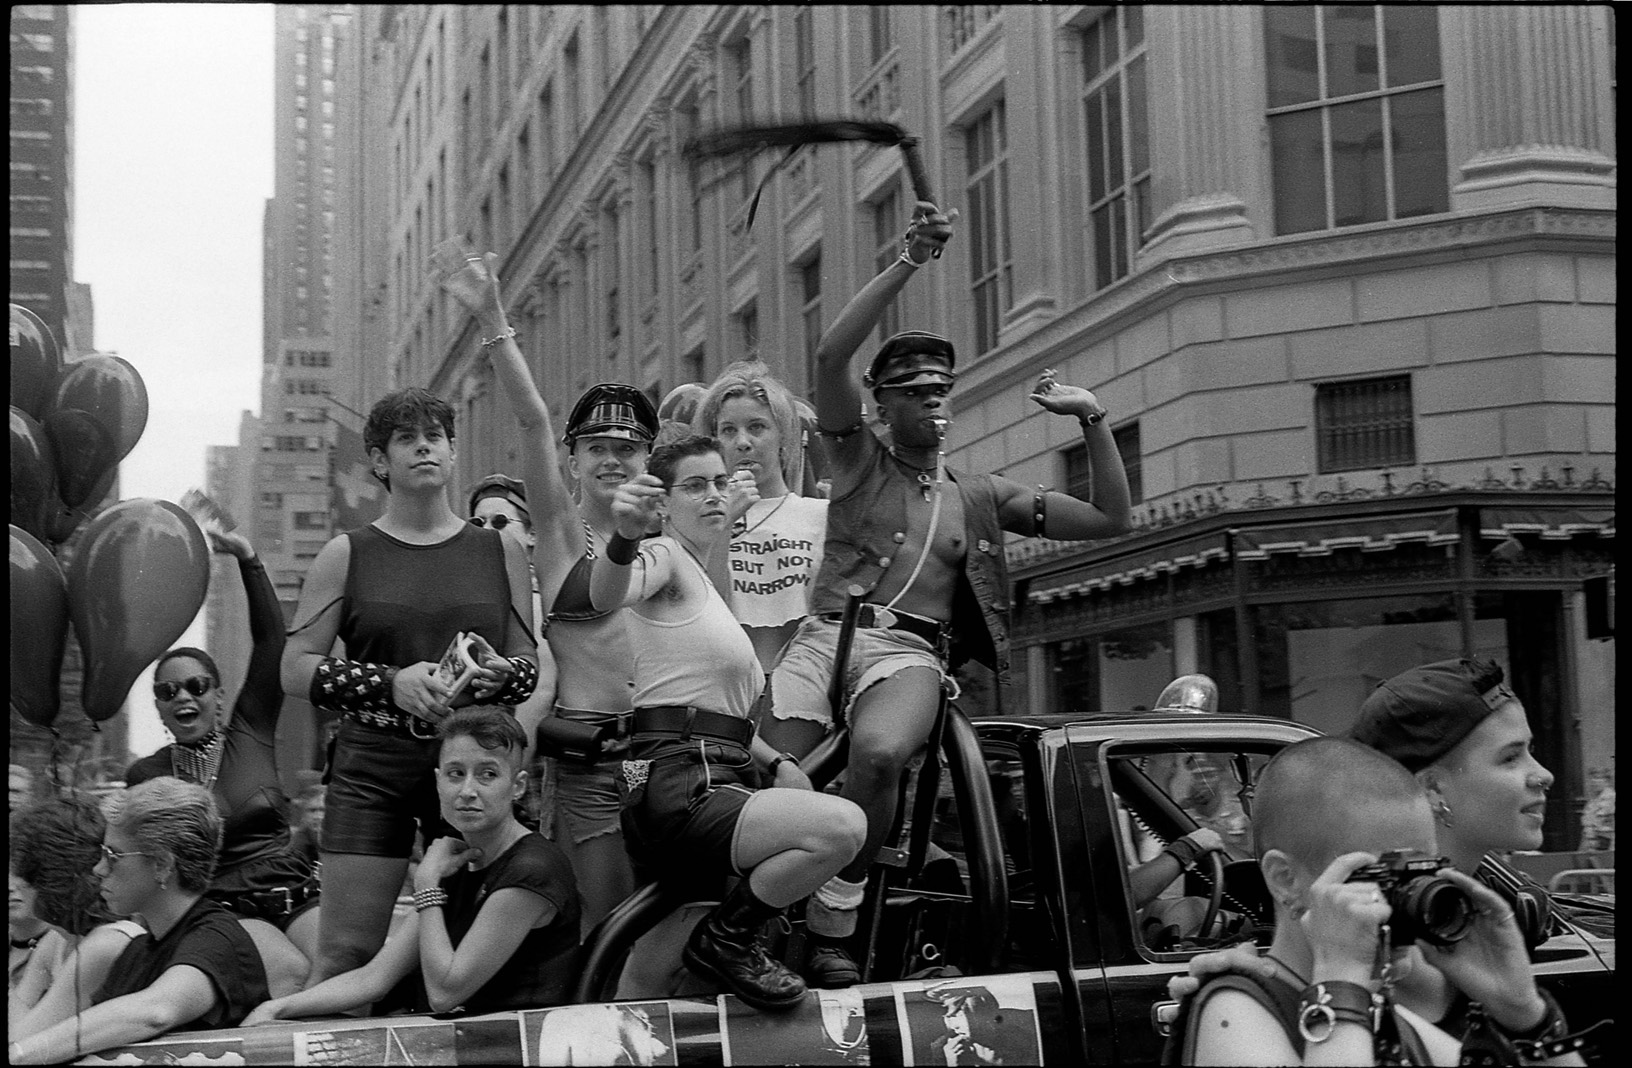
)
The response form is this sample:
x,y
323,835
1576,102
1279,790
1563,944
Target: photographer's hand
x,y
1342,919
1491,965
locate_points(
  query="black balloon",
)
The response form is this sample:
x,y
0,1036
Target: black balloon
x,y
39,628
36,361
33,475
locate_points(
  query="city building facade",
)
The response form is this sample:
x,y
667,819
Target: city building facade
x,y
1344,276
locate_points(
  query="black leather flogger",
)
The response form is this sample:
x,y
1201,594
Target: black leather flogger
x,y
724,946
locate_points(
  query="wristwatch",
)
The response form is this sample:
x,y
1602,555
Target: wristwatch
x,y
778,760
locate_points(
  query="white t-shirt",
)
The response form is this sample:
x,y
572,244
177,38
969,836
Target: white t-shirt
x,y
774,560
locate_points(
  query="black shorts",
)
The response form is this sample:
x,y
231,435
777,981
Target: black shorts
x,y
688,807
382,787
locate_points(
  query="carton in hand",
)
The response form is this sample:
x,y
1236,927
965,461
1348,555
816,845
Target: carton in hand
x,y
458,664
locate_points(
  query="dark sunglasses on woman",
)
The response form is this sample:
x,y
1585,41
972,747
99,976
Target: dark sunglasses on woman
x,y
198,686
497,522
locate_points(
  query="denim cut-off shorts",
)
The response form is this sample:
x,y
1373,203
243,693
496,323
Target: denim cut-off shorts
x,y
800,680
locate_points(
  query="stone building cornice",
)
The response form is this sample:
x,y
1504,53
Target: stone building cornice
x,y
1301,257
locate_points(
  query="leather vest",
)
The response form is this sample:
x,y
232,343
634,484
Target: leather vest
x,y
860,547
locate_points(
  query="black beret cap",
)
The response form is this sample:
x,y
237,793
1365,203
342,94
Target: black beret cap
x,y
1420,715
912,358
500,485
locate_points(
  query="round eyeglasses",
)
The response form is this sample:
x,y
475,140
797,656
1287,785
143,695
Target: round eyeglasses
x,y
497,522
114,856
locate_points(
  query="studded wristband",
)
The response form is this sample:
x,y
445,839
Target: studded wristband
x,y
351,686
520,685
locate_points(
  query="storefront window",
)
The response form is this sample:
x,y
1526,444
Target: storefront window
x,y
1318,661
1125,669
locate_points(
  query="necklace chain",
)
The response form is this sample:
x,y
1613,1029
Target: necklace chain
x,y
746,529
589,539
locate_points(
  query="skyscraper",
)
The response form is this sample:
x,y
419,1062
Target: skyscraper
x,y
42,129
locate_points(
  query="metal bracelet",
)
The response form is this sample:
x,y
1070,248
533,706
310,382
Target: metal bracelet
x,y
489,342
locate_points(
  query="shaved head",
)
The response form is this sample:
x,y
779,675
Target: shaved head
x,y
1324,797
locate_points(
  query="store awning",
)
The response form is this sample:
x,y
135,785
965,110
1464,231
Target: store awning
x,y
1552,524
1370,534
1199,551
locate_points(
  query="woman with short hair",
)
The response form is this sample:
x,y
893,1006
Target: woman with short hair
x,y
194,967
691,807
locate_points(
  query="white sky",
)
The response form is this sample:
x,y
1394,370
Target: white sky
x,y
172,168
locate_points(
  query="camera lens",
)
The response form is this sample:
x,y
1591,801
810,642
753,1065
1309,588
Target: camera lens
x,y
1441,911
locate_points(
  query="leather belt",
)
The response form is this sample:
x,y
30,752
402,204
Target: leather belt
x,y
272,903
876,616
687,722
399,722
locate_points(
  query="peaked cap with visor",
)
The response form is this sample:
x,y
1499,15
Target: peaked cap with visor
x,y
912,358
612,410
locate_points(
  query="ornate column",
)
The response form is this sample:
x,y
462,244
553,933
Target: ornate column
x,y
1205,110
1528,105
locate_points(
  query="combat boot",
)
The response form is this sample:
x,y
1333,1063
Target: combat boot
x,y
829,965
725,946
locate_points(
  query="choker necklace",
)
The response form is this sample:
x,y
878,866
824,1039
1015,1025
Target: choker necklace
x,y
200,762
27,943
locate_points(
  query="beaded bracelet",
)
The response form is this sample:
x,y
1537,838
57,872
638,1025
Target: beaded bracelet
x,y
434,897
489,342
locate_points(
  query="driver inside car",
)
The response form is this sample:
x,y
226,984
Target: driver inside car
x,y
1195,783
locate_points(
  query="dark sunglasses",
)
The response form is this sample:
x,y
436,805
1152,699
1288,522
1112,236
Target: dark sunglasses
x,y
497,522
198,686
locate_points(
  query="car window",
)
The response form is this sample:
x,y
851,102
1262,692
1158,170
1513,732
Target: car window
x,y
1159,794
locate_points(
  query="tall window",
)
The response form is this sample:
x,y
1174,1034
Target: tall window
x,y
1356,114
1079,480
572,87
878,36
694,185
504,232
524,164
603,48
503,49
1118,139
887,225
742,72
691,365
546,130
612,261
991,262
654,240
804,59
810,310
484,89
1364,423
747,324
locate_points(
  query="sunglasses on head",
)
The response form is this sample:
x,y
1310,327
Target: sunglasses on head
x,y
198,686
497,522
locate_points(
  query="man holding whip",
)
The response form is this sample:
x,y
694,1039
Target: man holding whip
x,y
924,543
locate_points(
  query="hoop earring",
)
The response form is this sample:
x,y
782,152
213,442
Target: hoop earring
x,y
1442,813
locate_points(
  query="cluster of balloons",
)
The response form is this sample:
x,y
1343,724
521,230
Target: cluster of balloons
x,y
141,568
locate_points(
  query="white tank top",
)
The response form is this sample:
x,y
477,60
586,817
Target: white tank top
x,y
705,661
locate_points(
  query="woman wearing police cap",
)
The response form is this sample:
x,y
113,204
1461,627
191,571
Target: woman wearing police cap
x,y
925,543
608,437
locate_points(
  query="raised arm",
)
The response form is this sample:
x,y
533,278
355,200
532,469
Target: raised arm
x,y
1061,516
472,280
317,617
261,698
838,396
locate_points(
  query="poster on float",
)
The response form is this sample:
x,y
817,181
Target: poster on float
x,y
991,1020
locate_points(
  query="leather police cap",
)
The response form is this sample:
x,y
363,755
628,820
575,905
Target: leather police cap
x,y
912,358
612,410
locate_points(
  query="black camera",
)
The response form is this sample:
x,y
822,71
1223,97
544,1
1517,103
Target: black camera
x,y
1427,906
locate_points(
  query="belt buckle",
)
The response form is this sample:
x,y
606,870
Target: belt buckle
x,y
413,727
288,899
885,619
